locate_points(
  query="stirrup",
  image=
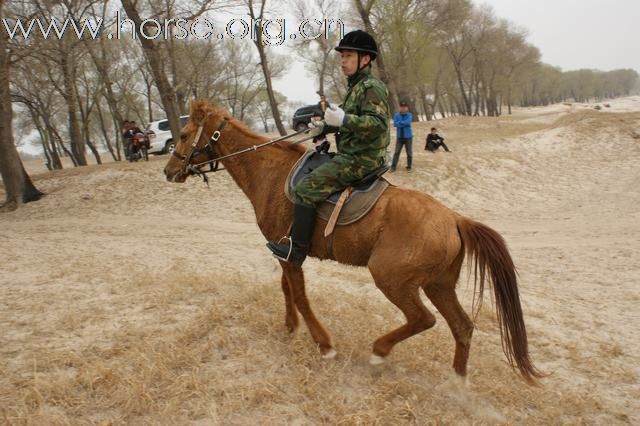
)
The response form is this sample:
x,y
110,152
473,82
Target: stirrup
x,y
290,249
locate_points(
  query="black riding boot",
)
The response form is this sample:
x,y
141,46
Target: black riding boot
x,y
295,250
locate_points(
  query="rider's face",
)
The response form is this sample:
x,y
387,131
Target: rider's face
x,y
349,61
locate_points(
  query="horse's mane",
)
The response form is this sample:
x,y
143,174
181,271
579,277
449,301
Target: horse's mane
x,y
202,108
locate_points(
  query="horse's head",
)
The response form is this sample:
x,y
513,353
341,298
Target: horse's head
x,y
196,141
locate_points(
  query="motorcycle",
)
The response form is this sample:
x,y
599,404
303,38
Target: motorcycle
x,y
140,144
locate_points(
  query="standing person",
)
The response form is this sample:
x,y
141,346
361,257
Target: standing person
x,y
435,141
404,135
126,138
362,123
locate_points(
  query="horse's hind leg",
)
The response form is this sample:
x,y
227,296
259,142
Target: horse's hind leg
x,y
405,296
291,314
295,278
445,299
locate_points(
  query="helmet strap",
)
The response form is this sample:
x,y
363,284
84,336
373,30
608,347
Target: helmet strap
x,y
360,68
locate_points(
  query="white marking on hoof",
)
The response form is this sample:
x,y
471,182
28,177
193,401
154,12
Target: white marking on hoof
x,y
330,355
376,360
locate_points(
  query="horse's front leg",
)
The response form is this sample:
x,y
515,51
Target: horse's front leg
x,y
295,278
291,314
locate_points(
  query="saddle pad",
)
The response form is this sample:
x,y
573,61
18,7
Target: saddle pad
x,y
357,205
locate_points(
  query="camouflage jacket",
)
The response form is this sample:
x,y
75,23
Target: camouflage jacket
x,y
365,132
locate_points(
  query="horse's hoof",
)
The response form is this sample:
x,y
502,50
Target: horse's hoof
x,y
330,354
376,359
291,326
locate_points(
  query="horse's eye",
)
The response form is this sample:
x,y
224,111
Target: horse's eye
x,y
183,136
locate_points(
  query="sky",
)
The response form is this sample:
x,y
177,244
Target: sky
x,y
571,34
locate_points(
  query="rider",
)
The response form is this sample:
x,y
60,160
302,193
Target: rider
x,y
362,123
129,131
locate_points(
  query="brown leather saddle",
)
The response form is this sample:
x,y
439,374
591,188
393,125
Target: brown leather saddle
x,y
342,207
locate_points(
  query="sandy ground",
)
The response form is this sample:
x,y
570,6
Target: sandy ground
x,y
126,299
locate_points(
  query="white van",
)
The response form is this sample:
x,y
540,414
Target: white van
x,y
160,135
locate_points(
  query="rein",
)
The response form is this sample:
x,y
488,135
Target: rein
x,y
196,169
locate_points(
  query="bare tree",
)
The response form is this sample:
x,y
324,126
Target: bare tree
x,y
365,10
153,52
318,50
66,53
17,184
257,15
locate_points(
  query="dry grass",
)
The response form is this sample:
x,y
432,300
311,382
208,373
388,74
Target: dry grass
x,y
230,362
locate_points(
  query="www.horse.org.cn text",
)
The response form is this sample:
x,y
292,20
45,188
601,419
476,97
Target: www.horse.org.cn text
x,y
274,31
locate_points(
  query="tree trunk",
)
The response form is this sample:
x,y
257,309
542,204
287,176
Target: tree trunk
x,y
84,115
55,155
148,85
152,52
71,100
267,79
48,144
53,160
425,104
179,87
47,154
476,112
103,69
94,150
58,139
465,99
118,140
105,134
441,107
17,183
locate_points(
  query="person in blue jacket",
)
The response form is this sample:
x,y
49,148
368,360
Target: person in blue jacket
x,y
404,135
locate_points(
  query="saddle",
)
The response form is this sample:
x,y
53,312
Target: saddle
x,y
342,207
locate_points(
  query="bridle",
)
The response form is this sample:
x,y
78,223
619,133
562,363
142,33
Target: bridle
x,y
196,169
214,162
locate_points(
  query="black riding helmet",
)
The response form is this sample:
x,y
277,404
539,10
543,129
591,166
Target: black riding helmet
x,y
360,41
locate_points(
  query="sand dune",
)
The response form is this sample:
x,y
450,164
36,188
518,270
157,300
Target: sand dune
x,y
126,299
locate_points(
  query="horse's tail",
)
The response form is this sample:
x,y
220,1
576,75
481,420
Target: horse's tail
x,y
488,253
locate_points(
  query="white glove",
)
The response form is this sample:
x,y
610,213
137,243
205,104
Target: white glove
x,y
334,116
315,127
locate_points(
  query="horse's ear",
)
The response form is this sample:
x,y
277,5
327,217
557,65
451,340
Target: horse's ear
x,y
198,111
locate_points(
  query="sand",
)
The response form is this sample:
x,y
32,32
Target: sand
x,y
126,299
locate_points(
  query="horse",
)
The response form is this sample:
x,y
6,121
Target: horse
x,y
405,253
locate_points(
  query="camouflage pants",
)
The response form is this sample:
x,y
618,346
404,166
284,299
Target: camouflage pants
x,y
335,175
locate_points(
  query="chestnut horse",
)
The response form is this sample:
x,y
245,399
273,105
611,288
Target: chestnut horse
x,y
409,241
